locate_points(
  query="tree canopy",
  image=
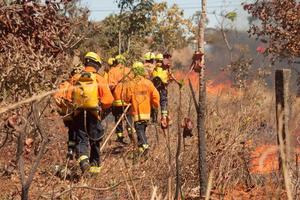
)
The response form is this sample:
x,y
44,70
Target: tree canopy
x,y
279,26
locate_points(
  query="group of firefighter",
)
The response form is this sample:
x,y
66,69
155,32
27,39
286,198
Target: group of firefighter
x,y
132,94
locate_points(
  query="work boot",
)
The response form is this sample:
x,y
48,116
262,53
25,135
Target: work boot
x,y
95,169
120,139
84,163
143,149
70,154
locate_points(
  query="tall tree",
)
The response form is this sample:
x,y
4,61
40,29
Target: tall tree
x,y
202,106
278,26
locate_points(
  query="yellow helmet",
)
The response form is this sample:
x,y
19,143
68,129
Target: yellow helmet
x,y
159,57
138,68
149,56
120,59
111,61
94,57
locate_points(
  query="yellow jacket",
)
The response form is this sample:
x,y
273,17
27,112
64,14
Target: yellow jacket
x,y
142,94
160,73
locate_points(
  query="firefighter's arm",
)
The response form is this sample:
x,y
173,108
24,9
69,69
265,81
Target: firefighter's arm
x,y
127,93
155,98
105,96
173,78
111,79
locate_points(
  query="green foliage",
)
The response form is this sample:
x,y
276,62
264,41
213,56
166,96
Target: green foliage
x,y
231,16
144,26
170,30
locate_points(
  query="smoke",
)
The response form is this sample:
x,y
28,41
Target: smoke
x,y
218,57
182,58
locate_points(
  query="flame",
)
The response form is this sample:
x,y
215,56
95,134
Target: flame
x,y
265,159
214,87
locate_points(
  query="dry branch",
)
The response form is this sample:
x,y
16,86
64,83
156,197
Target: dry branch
x,y
91,188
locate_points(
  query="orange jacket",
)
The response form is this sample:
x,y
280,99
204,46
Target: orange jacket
x,y
105,96
142,94
116,74
119,94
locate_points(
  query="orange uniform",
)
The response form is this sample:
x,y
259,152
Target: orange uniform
x,y
119,94
105,96
142,94
116,74
116,79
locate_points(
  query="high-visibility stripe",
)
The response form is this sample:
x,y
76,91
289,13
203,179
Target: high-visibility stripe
x,y
71,143
95,169
143,148
83,157
141,117
119,103
120,134
164,112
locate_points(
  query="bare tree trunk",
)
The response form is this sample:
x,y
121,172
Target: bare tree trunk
x,y
202,107
26,182
282,82
179,135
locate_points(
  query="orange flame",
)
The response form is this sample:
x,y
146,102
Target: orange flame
x,y
214,87
265,159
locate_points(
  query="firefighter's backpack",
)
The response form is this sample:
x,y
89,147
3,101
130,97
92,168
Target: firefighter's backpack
x,y
85,93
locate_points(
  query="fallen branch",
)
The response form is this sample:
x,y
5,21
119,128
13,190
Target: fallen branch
x,y
92,188
26,101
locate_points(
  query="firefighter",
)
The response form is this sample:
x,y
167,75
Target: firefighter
x,y
117,76
63,99
161,77
142,94
149,63
90,96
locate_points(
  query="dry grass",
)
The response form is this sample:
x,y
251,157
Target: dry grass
x,y
235,125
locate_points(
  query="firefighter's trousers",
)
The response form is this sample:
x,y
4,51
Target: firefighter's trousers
x,y
88,131
163,92
140,128
117,111
71,135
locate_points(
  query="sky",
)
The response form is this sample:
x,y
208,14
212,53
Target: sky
x,y
102,8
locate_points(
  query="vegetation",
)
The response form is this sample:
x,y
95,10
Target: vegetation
x,y
38,46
